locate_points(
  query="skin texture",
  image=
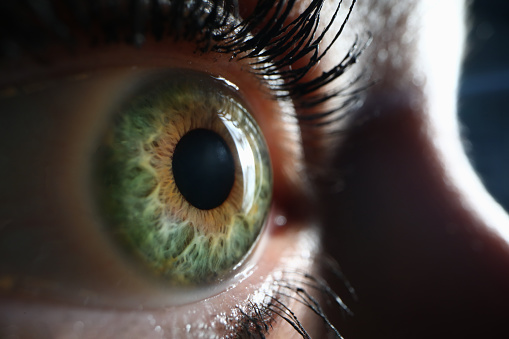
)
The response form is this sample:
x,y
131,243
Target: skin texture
x,y
417,237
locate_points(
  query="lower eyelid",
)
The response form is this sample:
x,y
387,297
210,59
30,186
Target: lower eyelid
x,y
213,317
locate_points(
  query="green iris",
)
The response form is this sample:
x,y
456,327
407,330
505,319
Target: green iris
x,y
184,180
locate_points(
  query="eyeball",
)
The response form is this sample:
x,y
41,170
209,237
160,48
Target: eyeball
x,y
183,180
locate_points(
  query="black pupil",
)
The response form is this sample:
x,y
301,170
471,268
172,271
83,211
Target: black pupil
x,y
203,168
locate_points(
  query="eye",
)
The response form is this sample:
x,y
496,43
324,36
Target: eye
x,y
107,168
109,206
184,179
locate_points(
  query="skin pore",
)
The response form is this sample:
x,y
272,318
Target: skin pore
x,y
392,199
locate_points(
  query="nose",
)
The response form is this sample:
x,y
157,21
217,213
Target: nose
x,y
424,258
416,234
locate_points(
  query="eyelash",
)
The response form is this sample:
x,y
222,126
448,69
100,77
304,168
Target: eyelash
x,y
293,285
272,50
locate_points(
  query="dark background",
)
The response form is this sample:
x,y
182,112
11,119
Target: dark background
x,y
484,96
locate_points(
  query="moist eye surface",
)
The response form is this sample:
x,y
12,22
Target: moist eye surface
x,y
183,180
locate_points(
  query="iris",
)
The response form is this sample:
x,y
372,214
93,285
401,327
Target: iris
x,y
184,179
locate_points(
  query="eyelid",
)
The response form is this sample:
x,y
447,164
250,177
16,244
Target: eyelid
x,y
217,316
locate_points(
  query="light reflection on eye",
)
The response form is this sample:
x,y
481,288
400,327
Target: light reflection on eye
x,y
60,255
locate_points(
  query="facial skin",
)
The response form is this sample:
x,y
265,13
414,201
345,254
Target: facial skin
x,y
416,235
413,229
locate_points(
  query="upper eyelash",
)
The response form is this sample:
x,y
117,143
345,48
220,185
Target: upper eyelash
x,y
280,46
271,45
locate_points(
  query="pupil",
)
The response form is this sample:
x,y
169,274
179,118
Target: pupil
x,y
203,168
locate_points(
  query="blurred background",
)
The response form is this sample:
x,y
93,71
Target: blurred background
x,y
484,96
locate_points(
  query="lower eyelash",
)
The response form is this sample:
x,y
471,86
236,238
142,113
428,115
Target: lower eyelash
x,y
256,319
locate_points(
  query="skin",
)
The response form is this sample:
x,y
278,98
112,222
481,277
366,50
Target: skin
x,y
414,232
